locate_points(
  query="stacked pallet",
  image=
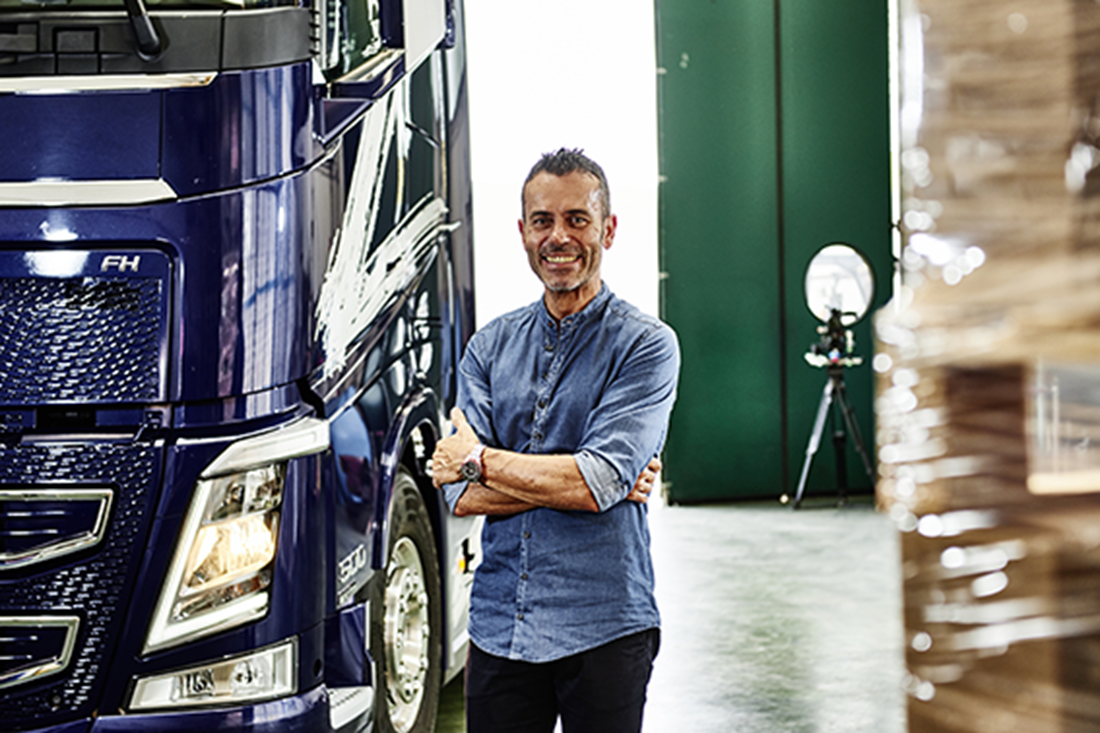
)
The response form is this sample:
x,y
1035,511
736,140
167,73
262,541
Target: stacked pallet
x,y
989,365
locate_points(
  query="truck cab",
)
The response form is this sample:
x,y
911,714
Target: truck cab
x,y
235,282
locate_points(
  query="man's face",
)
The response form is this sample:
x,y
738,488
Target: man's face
x,y
565,232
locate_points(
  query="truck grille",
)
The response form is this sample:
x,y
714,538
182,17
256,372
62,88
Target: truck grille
x,y
91,585
78,326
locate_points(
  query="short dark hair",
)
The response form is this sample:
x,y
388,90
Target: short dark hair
x,y
564,161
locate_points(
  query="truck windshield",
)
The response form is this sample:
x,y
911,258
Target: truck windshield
x,y
71,5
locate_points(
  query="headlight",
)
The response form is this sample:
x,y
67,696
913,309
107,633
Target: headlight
x,y
224,562
263,675
221,573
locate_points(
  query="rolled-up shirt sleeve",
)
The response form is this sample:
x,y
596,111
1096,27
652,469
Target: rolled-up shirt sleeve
x,y
602,479
453,492
629,424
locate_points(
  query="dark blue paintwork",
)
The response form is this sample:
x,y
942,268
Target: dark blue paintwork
x,y
83,136
245,127
261,161
345,640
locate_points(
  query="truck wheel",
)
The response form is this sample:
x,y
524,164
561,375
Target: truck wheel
x,y
407,622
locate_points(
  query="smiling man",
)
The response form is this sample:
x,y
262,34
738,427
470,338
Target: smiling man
x,y
562,409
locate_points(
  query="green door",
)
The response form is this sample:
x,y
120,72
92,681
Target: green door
x,y
774,135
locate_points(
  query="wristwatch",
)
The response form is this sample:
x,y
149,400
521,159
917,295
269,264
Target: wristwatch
x,y
472,467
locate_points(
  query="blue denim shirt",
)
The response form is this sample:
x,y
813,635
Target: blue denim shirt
x,y
599,386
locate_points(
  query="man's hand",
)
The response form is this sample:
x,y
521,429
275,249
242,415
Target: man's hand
x,y
644,485
451,452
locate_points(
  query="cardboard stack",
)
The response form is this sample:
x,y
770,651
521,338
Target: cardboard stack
x,y
989,365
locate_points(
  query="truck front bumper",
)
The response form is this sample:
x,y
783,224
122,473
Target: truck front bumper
x,y
307,712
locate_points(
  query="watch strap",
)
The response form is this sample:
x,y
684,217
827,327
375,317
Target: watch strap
x,y
472,467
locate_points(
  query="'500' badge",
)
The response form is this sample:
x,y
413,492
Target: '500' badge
x,y
351,564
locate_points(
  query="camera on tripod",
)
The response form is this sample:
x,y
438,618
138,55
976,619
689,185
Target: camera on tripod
x,y
839,291
837,343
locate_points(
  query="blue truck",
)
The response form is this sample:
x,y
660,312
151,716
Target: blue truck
x,y
235,282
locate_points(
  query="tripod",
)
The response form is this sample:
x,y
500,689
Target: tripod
x,y
836,395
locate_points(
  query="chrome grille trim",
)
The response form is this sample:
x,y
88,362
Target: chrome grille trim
x,y
58,545
106,82
86,193
37,667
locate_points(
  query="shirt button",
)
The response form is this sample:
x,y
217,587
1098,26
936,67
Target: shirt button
x,y
519,616
526,535
523,576
549,347
542,404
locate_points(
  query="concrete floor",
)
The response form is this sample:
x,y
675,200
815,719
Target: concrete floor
x,y
773,621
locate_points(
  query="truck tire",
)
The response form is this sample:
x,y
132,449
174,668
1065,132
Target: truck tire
x,y
407,619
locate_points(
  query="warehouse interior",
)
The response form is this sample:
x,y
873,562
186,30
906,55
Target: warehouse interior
x,y
243,244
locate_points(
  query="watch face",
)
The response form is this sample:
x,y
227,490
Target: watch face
x,y
471,471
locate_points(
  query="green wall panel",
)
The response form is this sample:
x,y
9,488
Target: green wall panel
x,y
774,143
717,115
834,107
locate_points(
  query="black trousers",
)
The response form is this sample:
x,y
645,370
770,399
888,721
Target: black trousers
x,y
601,690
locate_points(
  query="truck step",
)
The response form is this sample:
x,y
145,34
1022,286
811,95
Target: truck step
x,y
349,707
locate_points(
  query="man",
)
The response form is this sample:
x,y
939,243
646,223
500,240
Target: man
x,y
562,408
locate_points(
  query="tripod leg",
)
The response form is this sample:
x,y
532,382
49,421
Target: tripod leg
x,y
840,452
815,439
853,428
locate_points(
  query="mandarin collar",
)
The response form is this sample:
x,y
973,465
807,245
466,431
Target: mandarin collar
x,y
593,306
